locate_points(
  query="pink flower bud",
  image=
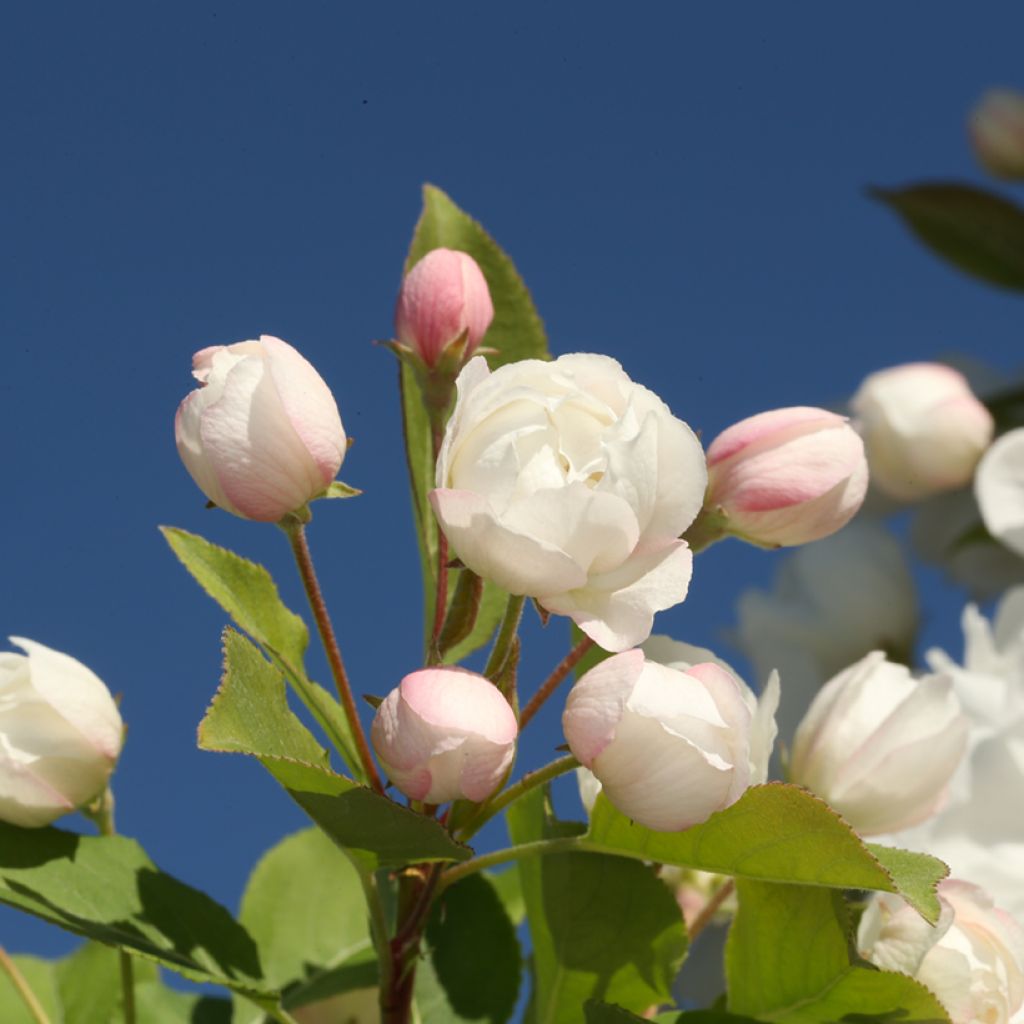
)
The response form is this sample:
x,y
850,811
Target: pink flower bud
x,y
60,735
262,435
788,476
923,429
997,131
444,296
668,747
444,734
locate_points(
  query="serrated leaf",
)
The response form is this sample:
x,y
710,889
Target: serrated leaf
x,y
981,233
247,592
788,960
780,833
107,889
515,333
599,924
469,936
305,909
250,715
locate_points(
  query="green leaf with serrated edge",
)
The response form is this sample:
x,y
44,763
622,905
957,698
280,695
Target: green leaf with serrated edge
x,y
788,959
249,595
976,231
469,936
515,333
250,715
779,833
107,889
41,979
510,891
304,907
601,926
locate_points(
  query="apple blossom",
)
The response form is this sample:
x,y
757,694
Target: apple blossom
x,y
60,735
262,435
444,296
444,734
997,131
999,488
972,959
832,602
974,834
923,428
567,482
881,746
668,747
786,477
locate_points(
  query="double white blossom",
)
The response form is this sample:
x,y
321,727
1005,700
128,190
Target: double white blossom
x,y
568,482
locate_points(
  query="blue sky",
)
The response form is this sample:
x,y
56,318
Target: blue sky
x,y
682,187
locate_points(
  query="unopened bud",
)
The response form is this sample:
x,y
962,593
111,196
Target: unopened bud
x,y
997,131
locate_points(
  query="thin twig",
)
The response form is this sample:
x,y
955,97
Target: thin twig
x,y
28,997
710,908
548,687
300,548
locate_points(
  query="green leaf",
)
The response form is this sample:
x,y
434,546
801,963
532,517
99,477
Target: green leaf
x,y
304,907
155,1003
510,892
788,959
602,927
250,715
779,833
107,889
89,983
248,594
604,1013
981,233
41,979
515,333
470,936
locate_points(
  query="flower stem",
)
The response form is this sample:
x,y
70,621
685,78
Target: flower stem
x,y
511,853
506,634
441,599
103,814
300,548
548,687
21,985
529,781
710,908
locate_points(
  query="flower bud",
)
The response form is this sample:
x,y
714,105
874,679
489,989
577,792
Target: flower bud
x,y
786,477
923,428
997,131
262,436
444,296
881,746
999,489
444,734
60,735
668,747
972,959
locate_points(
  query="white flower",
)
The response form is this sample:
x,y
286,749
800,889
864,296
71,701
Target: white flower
x,y
60,735
669,747
832,602
923,428
978,834
567,482
881,746
262,435
972,959
999,488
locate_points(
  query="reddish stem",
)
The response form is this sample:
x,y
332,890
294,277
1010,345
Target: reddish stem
x,y
548,687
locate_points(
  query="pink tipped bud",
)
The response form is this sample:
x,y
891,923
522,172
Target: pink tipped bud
x,y
923,428
997,131
444,734
787,477
443,297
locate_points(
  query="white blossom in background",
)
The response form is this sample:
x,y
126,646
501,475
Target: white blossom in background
x,y
567,482
832,602
972,959
881,746
923,428
980,833
60,735
997,131
999,488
